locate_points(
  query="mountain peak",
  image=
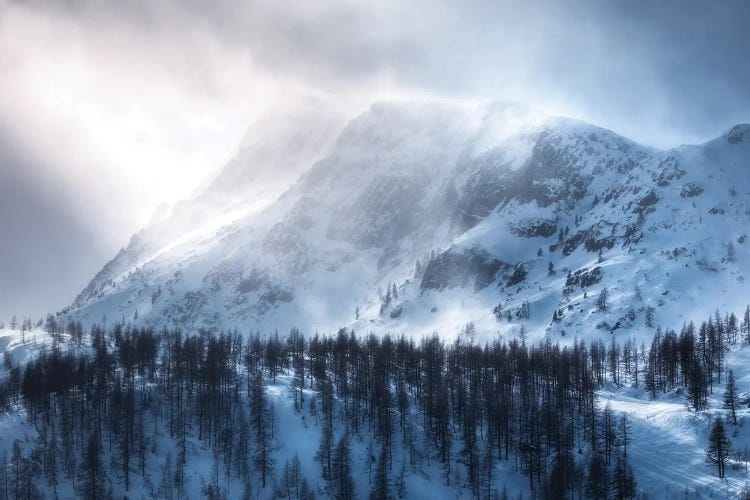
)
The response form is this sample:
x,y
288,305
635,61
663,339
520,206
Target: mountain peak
x,y
483,197
738,133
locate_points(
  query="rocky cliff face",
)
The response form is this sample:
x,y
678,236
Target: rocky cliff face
x,y
426,216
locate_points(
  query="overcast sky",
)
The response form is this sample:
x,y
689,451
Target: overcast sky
x,y
109,108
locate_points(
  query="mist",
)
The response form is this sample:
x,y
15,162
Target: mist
x,y
108,110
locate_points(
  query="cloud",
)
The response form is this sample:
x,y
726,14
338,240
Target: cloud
x,y
45,252
662,73
121,105
137,110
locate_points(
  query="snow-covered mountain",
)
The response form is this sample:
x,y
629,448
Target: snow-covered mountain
x,y
419,217
423,216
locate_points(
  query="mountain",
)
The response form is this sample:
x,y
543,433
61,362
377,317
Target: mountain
x,y
481,223
424,216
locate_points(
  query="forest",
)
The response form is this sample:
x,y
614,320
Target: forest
x,y
99,402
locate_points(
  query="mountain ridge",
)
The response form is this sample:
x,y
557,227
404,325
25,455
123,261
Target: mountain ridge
x,y
491,194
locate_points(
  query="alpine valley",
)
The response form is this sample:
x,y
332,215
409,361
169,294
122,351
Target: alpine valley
x,y
429,300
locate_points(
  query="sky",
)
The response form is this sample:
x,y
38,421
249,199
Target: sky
x,y
108,109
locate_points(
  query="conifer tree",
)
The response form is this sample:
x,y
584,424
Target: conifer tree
x,y
343,484
597,478
719,446
380,487
649,317
623,428
4,480
730,397
602,301
324,454
261,416
559,483
51,462
92,472
623,480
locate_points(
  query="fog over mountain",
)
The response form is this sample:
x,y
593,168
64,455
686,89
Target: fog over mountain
x,y
338,249
421,216
134,105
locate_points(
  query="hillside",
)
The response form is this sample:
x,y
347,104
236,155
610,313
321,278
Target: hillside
x,y
279,395
484,225
422,217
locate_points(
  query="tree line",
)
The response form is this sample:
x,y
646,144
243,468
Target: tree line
x,y
100,401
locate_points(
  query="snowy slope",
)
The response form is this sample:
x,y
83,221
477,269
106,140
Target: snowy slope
x,y
19,347
294,433
272,155
462,209
670,439
667,448
663,221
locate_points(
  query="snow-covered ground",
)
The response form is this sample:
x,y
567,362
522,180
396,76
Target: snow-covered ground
x,y
669,438
423,217
20,347
406,184
295,433
667,448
